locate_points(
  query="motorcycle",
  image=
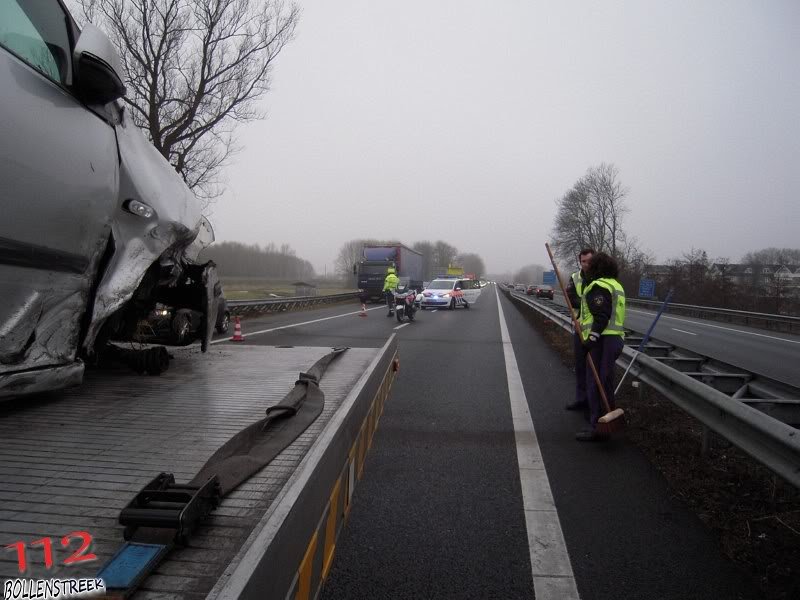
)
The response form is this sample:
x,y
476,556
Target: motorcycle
x,y
404,304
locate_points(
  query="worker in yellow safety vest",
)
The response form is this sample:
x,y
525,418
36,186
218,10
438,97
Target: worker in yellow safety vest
x,y
602,320
389,286
575,287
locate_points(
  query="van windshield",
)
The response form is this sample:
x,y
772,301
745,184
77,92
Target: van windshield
x,y
442,284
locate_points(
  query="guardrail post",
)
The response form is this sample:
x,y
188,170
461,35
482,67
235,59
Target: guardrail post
x,y
639,391
705,442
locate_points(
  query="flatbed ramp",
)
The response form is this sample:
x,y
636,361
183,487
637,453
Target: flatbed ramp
x,y
69,462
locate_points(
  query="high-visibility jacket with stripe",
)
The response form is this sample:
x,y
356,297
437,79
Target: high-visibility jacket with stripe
x,y
616,323
390,283
577,283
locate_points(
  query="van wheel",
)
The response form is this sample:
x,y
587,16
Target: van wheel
x,y
181,328
224,324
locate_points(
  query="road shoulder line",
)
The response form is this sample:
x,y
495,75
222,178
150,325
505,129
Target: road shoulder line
x,y
553,578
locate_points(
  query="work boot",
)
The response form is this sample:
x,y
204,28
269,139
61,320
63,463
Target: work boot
x,y
591,435
577,405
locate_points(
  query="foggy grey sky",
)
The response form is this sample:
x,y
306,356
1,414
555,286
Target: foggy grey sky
x,y
464,121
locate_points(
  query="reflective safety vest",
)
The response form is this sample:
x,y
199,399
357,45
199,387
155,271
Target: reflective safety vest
x,y
616,324
390,283
577,281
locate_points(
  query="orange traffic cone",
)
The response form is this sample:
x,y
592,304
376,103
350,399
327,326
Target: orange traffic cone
x,y
237,331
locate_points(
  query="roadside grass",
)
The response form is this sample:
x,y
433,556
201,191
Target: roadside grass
x,y
257,288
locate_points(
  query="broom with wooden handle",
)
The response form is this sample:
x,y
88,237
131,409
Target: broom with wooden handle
x,y
613,419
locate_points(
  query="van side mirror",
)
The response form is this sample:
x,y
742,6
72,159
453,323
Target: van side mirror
x,y
98,68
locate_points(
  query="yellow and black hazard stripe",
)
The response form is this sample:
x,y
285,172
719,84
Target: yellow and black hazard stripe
x,y
316,563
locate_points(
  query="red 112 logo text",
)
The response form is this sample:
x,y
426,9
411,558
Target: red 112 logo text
x,y
80,554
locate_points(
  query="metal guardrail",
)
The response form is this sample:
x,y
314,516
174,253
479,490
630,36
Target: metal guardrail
x,y
774,444
269,305
770,441
761,320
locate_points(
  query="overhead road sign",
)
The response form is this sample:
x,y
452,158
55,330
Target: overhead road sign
x,y
647,288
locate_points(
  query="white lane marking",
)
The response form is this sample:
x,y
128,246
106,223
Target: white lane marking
x,y
682,331
401,326
771,337
295,325
553,578
433,311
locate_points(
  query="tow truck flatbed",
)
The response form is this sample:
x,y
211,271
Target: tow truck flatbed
x,y
69,462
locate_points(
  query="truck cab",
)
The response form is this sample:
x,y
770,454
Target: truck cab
x,y
371,275
371,271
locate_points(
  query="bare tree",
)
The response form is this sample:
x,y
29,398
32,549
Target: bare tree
x,y
242,260
721,288
571,230
443,254
194,70
426,248
778,292
471,263
633,263
631,256
350,254
591,213
697,266
774,256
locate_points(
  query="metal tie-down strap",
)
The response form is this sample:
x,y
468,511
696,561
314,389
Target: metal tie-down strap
x,y
164,513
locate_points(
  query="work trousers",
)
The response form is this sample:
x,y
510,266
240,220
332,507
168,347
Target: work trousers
x,y
390,300
604,354
580,369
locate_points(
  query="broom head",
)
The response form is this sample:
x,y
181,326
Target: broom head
x,y
611,422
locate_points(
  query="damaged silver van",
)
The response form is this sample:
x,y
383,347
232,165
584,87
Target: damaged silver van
x,y
96,227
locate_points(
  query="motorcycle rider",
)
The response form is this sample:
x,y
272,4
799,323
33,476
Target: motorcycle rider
x,y
389,286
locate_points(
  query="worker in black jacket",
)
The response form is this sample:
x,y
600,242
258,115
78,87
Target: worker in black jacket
x,y
577,282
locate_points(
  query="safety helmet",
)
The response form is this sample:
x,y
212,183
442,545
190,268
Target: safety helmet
x,y
390,271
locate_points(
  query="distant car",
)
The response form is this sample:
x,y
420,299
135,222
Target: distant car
x,y
544,291
531,290
519,287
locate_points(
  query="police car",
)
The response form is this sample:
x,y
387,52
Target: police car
x,y
449,293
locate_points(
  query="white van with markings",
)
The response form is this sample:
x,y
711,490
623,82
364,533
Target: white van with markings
x,y
450,293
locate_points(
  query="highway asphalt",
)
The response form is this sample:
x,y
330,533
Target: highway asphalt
x,y
439,512
766,353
